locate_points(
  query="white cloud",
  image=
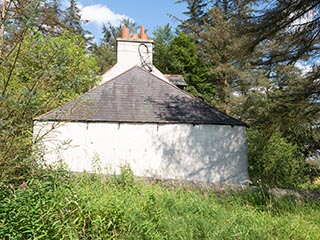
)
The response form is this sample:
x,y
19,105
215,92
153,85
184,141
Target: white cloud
x,y
100,14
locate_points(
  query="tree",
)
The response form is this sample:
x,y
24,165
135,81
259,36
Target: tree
x,y
284,34
162,38
175,53
197,15
287,33
39,70
47,72
105,51
251,52
51,18
293,22
3,16
72,18
215,27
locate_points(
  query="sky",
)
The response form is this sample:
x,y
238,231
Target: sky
x,y
150,13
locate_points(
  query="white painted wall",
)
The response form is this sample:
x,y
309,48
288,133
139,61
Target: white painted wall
x,y
209,153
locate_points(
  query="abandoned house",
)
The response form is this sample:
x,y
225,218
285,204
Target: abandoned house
x,y
137,116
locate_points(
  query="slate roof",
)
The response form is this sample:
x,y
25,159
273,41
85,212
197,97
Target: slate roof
x,y
137,96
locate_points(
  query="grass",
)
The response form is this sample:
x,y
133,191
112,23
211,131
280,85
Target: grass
x,y
58,205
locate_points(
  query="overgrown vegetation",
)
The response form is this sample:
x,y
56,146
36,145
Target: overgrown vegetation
x,y
60,205
235,55
252,53
42,65
270,154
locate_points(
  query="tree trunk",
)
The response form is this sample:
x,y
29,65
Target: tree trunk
x,y
3,12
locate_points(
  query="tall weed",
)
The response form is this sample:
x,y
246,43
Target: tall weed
x,y
43,207
58,205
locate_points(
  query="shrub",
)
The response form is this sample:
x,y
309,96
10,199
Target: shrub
x,y
273,160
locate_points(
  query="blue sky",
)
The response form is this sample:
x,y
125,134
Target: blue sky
x,y
150,13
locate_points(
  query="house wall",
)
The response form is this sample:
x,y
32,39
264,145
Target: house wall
x,y
209,153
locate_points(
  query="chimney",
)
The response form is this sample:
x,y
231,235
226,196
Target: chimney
x,y
135,49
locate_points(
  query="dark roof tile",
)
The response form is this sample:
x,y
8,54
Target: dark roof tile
x,y
140,97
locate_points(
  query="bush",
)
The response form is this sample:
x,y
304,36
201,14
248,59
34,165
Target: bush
x,y
41,74
273,160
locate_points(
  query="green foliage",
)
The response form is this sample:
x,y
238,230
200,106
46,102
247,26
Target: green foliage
x,y
105,51
41,73
125,179
313,172
162,38
273,160
289,27
184,60
55,68
56,205
252,54
214,25
177,54
43,207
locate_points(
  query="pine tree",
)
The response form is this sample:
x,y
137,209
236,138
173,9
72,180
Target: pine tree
x,y
176,53
284,34
51,22
216,31
72,18
252,52
162,37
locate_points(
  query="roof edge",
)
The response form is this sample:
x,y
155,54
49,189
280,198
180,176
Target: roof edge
x,y
137,122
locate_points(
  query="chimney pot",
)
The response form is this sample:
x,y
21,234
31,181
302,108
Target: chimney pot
x,y
143,34
135,36
125,32
135,49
